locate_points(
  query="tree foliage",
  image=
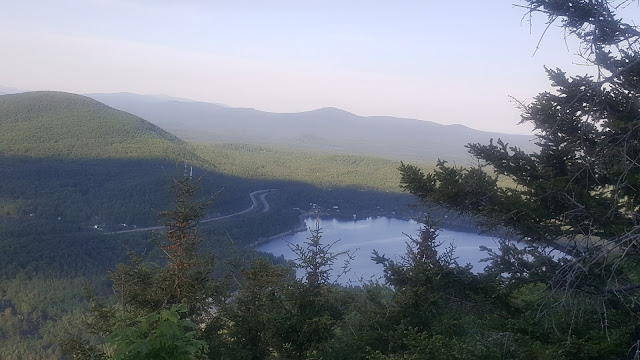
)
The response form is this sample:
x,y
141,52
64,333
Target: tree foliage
x,y
159,311
163,335
582,188
579,193
276,315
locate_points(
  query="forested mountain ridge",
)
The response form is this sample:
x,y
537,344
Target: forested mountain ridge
x,y
327,129
178,301
57,124
69,160
69,163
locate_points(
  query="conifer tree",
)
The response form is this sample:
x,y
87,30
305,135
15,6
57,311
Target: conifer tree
x,y
159,311
581,190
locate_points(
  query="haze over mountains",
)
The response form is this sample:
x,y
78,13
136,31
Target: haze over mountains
x,y
76,171
324,130
327,129
9,90
69,161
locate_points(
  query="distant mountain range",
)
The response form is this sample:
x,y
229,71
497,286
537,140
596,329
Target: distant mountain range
x,y
323,130
326,130
148,98
68,161
9,90
75,171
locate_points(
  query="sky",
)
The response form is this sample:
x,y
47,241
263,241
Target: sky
x,y
451,62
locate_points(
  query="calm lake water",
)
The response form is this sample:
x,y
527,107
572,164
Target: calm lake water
x,y
385,235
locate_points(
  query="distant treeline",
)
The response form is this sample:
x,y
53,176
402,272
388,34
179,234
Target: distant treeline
x,y
68,163
317,168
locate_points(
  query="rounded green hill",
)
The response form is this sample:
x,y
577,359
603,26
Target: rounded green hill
x,y
58,124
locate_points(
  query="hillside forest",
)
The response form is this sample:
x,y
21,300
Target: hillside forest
x,y
120,240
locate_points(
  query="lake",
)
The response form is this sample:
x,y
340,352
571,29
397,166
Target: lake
x,y
383,234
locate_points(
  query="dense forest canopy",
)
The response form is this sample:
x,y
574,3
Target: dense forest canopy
x,y
56,186
196,292
55,124
70,162
579,188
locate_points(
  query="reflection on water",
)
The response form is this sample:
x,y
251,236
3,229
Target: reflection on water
x,y
385,235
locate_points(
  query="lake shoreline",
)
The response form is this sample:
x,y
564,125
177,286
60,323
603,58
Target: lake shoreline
x,y
386,235
302,227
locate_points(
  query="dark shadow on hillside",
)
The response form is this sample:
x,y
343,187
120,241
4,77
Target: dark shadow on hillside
x,y
72,195
49,207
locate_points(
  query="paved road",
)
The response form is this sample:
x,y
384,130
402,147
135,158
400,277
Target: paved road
x,y
255,205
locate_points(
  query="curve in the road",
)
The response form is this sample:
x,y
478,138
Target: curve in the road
x,y
255,204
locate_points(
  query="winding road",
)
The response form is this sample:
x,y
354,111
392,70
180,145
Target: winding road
x,y
255,205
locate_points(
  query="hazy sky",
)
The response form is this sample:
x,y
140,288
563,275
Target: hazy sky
x,y
443,61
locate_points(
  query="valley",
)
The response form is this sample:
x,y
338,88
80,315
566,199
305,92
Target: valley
x,y
185,180
258,204
72,166
84,187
